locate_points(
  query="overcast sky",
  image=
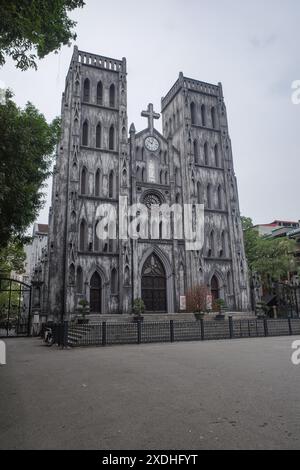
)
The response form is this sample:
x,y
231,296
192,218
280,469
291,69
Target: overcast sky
x,y
252,47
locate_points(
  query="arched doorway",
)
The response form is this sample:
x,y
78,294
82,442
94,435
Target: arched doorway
x,y
95,293
154,290
215,290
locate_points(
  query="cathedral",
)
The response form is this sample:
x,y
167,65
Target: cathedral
x,y
100,160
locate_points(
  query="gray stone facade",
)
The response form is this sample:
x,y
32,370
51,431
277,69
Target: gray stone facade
x,y
96,163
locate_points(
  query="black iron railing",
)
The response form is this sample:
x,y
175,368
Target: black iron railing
x,y
105,333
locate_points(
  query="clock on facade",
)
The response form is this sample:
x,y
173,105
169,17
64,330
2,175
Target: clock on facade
x,y
151,144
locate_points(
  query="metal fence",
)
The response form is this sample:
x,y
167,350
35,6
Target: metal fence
x,y
103,334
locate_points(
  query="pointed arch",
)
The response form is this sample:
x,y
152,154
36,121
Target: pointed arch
x,y
79,280
127,276
86,90
84,181
223,251
220,197
199,192
196,151
138,174
211,249
97,243
72,274
213,117
114,282
97,182
229,283
85,133
83,232
111,143
216,155
215,288
193,112
96,293
163,258
112,96
100,93
203,115
111,184
143,175
206,154
73,221
208,196
161,177
98,135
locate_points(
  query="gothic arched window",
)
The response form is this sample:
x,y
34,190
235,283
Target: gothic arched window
x,y
111,144
203,115
79,280
83,186
85,133
99,93
220,202
114,281
112,96
161,177
216,154
96,239
111,188
193,113
223,244
86,90
213,117
196,151
97,183
199,192
206,154
212,243
83,236
208,196
98,135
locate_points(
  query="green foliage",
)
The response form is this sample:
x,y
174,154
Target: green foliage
x,y
219,304
26,147
12,258
31,29
271,258
84,307
138,307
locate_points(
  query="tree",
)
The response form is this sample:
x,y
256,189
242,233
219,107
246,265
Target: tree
x,y
272,258
196,299
26,147
40,25
12,258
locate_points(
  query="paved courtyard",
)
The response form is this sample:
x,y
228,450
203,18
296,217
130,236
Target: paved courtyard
x,y
212,395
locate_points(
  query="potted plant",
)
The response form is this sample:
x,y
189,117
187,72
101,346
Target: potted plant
x,y
138,310
84,309
220,305
262,310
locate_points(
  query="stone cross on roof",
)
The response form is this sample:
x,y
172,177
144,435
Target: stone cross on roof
x,y
151,115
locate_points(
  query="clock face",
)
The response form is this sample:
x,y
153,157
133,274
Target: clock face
x,y
151,144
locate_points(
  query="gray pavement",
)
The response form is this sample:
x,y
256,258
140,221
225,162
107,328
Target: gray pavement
x,y
240,394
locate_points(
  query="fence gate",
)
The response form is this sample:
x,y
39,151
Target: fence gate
x,y
15,308
288,299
